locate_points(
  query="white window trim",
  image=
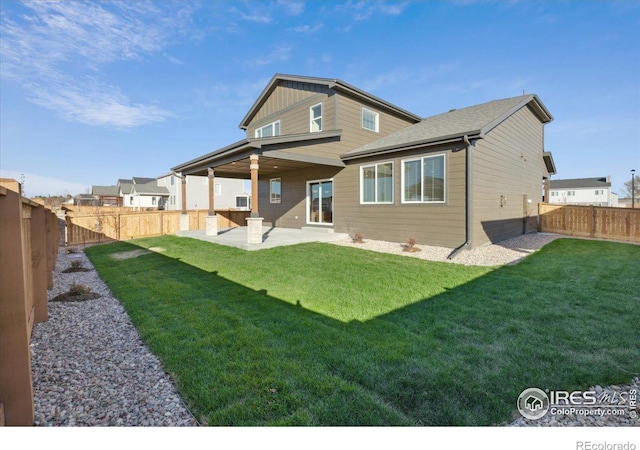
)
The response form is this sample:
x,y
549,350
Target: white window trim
x,y
272,124
377,125
271,200
311,118
393,173
444,170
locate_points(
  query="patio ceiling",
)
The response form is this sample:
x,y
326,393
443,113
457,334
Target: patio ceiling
x,y
269,166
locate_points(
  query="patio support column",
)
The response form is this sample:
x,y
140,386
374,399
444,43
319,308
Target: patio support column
x,y
254,185
254,223
184,217
211,221
546,190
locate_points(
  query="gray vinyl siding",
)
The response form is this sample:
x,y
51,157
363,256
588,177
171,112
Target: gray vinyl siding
x,y
440,224
291,212
508,162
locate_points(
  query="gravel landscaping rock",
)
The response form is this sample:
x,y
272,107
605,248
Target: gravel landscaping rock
x,y
502,253
90,366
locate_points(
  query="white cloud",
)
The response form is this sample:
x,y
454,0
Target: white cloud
x,y
291,7
57,51
363,10
279,54
308,28
93,103
40,185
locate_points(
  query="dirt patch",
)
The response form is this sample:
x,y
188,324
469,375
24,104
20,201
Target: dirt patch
x,y
157,249
71,297
130,254
76,269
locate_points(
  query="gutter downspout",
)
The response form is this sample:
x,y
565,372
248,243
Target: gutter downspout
x,y
468,213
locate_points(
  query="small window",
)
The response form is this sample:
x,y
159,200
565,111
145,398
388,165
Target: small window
x,y
173,181
315,118
153,200
370,120
131,199
376,183
217,189
242,202
273,129
275,190
423,180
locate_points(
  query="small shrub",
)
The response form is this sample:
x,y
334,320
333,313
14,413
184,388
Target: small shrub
x,y
79,289
72,250
357,239
76,264
410,246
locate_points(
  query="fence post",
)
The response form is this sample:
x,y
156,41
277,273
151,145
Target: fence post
x,y
39,263
16,391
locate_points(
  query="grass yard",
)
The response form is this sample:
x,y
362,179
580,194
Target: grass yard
x,y
317,334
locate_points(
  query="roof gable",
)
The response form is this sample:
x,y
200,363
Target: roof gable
x,y
473,121
329,83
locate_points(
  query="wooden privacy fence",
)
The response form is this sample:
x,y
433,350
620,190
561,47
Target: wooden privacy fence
x,y
602,222
104,226
28,250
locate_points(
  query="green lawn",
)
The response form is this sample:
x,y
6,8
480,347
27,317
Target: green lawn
x,y
317,334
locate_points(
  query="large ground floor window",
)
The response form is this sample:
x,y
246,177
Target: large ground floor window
x,y
423,180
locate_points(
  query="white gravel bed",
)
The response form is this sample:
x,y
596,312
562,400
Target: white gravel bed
x,y
90,366
502,253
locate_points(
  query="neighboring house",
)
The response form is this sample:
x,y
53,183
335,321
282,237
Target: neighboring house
x,y
107,195
124,190
327,154
229,192
626,202
583,191
148,195
85,200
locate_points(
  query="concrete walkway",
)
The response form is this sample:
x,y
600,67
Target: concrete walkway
x,y
271,237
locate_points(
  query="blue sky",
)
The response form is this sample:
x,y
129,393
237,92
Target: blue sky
x,y
93,92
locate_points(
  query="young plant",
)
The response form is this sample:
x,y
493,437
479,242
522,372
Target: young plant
x,y
79,289
357,238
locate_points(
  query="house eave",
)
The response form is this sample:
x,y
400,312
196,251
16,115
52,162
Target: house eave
x,y
458,137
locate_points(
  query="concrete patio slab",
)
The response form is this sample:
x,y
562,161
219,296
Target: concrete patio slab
x,y
271,237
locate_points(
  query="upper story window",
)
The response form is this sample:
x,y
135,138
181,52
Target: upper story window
x,y
370,120
423,180
599,192
315,118
270,130
217,188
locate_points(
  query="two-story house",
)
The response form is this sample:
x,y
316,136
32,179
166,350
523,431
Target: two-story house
x,y
583,191
323,153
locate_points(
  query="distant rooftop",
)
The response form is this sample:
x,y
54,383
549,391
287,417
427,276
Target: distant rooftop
x,y
581,183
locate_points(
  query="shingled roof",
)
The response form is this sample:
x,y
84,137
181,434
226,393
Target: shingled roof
x,y
471,121
576,183
105,191
150,189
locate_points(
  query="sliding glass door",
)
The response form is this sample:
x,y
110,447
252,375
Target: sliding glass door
x,y
320,202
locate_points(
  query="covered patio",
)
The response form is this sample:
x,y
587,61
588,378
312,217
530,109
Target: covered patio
x,y
271,237
261,160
